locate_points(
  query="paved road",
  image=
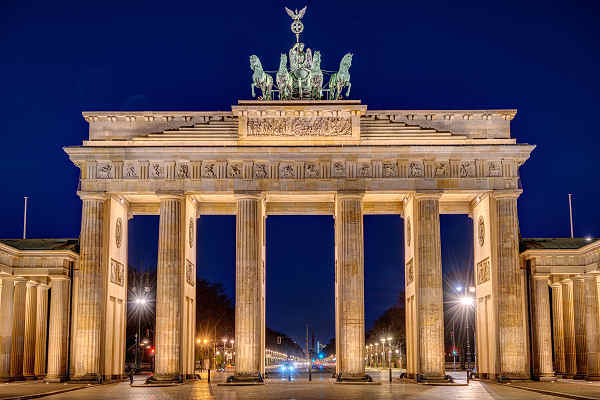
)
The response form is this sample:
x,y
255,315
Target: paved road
x,y
302,391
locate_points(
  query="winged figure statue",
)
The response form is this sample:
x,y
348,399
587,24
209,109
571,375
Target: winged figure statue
x,y
296,14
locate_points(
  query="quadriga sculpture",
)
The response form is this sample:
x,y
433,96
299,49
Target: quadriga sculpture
x,y
341,79
284,80
316,77
261,79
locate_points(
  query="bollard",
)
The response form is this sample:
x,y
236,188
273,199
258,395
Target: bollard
x,y
208,379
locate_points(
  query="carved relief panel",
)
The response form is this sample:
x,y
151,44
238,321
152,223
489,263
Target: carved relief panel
x,y
117,272
104,170
190,277
483,271
300,126
410,273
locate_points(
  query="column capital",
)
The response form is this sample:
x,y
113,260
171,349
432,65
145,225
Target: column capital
x,y
507,194
59,278
32,284
19,280
426,195
591,274
92,195
248,194
541,276
349,194
555,280
7,278
170,195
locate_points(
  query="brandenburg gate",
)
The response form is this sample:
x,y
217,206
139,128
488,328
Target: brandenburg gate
x,y
299,157
299,149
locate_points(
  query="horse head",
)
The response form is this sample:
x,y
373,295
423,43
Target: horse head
x,y
283,62
316,61
346,61
255,63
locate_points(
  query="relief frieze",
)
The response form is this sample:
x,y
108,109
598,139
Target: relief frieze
x,y
309,169
300,126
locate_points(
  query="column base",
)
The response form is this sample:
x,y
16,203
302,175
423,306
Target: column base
x,y
592,378
579,376
29,377
55,379
245,379
434,379
515,377
353,378
546,378
87,378
158,379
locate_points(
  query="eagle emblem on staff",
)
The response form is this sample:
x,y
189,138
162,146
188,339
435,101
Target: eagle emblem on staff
x,y
304,79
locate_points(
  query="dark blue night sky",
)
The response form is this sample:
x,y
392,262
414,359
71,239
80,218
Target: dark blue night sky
x,y
60,58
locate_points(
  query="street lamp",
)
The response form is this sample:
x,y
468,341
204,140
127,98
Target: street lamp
x,y
389,341
468,302
140,303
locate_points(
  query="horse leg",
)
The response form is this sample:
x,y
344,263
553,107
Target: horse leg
x,y
348,92
252,87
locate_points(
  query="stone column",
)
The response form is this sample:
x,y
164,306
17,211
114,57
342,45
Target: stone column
x,y
168,290
429,291
592,327
18,333
558,329
41,331
30,330
569,325
6,325
579,318
88,336
541,327
349,281
58,337
249,340
512,334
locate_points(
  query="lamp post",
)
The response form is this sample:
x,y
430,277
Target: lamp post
x,y
389,341
140,302
468,302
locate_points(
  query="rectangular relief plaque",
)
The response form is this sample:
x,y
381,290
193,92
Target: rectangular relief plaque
x,y
117,271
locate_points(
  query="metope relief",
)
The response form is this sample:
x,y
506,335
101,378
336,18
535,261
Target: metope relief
x,y
260,171
104,171
495,168
300,126
117,272
338,169
182,171
441,170
209,169
156,171
131,171
466,169
483,271
287,170
189,273
416,169
234,170
410,273
312,170
364,170
389,169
